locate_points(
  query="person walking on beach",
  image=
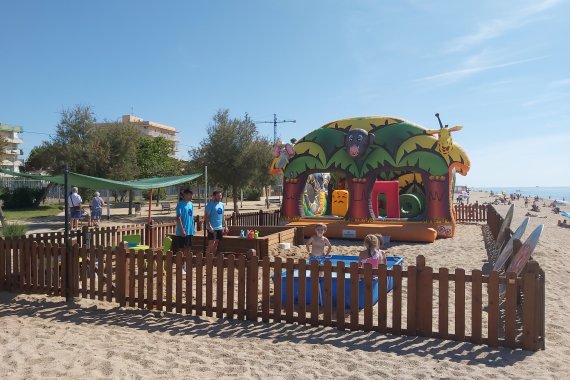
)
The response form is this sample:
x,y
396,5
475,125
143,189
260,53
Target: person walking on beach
x,y
184,222
317,243
96,209
215,221
75,207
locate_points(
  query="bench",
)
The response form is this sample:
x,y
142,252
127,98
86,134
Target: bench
x,y
165,206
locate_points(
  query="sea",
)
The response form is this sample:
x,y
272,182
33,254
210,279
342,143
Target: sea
x,y
561,194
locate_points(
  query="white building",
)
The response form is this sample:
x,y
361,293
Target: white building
x,y
150,128
11,152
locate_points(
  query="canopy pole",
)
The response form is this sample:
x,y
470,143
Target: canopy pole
x,y
149,205
205,204
68,265
108,205
149,221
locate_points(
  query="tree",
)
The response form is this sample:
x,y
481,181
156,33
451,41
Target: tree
x,y
42,158
155,158
233,151
119,144
108,151
72,140
262,178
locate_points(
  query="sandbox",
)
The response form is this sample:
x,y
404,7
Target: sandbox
x,y
269,238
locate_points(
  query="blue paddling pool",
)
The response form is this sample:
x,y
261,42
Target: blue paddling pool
x,y
347,260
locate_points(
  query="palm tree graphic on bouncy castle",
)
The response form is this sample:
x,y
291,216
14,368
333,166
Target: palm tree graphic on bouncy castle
x,y
364,150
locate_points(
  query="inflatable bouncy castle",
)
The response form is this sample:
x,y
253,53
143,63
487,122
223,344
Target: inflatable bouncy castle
x,y
395,177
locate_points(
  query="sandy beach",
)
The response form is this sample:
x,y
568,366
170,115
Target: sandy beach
x,y
41,337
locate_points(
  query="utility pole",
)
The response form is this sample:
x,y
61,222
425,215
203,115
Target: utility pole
x,y
275,122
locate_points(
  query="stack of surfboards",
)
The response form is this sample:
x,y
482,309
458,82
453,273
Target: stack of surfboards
x,y
521,257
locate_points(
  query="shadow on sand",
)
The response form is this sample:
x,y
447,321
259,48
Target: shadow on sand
x,y
56,310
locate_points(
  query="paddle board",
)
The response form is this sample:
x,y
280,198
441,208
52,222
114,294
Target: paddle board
x,y
521,257
508,250
506,224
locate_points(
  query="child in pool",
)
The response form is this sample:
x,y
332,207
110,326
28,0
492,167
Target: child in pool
x,y
317,243
372,254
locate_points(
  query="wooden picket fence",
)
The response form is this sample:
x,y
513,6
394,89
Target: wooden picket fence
x,y
152,234
494,220
109,236
256,218
471,213
443,304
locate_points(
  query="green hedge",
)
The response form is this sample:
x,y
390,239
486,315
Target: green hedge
x,y
23,197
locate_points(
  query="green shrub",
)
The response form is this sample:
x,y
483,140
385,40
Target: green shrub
x,y
251,194
13,230
23,197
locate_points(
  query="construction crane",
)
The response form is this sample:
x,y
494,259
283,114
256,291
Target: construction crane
x,y
275,122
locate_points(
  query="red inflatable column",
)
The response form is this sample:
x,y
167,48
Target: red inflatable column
x,y
392,191
437,194
359,206
292,188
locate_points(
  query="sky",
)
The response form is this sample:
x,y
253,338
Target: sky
x,y
501,69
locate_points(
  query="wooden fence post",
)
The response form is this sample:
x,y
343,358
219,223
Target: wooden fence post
x,y
252,283
122,275
148,234
531,308
412,303
82,238
492,219
424,286
299,235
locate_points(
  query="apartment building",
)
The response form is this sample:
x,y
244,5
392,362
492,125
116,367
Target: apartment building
x,y
11,153
150,128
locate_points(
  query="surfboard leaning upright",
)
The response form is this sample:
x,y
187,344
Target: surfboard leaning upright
x,y
521,257
508,250
506,224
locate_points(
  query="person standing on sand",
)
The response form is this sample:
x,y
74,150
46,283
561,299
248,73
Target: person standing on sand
x,y
75,207
184,222
317,243
215,221
96,209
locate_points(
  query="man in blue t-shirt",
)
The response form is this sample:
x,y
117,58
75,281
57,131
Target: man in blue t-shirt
x,y
184,222
215,221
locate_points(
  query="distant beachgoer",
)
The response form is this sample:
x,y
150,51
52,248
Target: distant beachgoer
x,y
96,209
75,207
317,243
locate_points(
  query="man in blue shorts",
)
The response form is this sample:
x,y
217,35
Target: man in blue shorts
x,y
184,222
215,221
75,207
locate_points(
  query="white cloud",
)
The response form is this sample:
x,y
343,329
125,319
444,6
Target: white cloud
x,y
497,27
470,69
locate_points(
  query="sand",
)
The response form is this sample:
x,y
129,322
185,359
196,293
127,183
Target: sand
x,y
42,337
